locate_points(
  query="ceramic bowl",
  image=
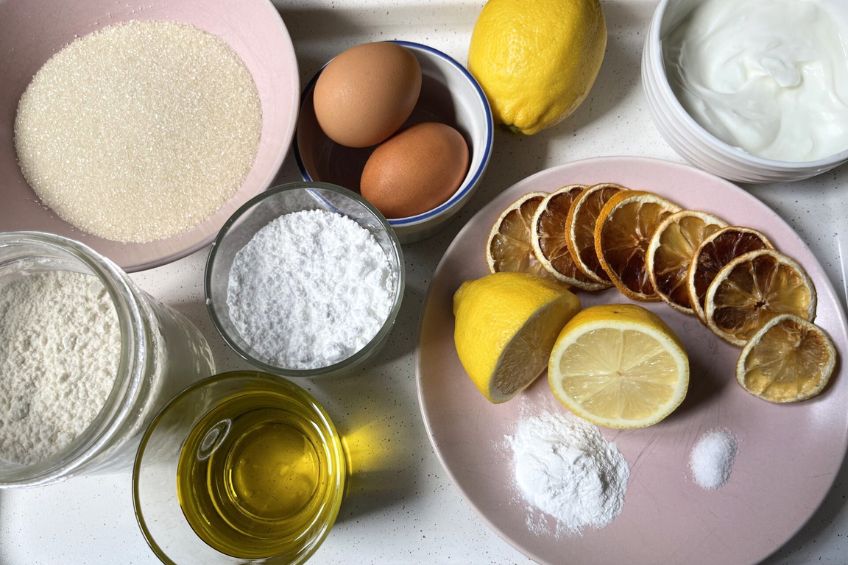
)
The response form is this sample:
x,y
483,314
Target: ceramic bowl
x,y
449,94
254,216
31,31
688,137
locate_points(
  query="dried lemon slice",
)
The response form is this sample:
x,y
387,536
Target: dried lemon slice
x,y
510,246
670,253
548,238
788,360
580,230
715,252
622,234
619,366
754,288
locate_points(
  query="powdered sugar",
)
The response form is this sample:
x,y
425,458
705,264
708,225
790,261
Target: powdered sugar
x,y
310,289
711,460
564,467
60,345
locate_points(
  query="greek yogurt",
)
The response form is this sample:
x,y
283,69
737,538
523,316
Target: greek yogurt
x,y
768,76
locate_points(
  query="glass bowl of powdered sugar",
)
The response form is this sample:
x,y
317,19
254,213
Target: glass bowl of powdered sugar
x,y
305,279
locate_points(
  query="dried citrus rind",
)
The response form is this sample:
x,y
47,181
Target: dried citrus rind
x,y
580,230
715,252
622,235
754,288
509,247
788,360
670,254
548,233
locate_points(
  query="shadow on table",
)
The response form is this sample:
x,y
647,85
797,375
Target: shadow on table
x,y
376,415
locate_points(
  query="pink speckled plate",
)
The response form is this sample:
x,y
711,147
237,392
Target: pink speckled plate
x,y
33,30
788,455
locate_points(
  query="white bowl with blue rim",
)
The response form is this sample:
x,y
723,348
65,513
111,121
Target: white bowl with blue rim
x,y
449,94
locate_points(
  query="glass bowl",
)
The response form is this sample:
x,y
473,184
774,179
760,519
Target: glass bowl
x,y
255,215
160,472
161,352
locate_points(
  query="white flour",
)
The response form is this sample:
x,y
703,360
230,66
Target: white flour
x,y
712,458
564,467
310,289
60,345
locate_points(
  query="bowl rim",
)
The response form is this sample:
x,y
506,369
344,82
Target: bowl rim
x,y
669,99
382,333
471,178
292,389
281,139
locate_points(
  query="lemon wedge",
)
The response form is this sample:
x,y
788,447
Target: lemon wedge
x,y
506,324
618,366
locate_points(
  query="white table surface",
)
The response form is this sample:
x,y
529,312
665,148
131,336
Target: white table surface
x,y
404,508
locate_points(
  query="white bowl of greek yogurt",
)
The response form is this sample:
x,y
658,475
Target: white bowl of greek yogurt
x,y
751,90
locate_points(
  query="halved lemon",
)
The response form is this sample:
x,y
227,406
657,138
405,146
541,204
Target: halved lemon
x,y
619,366
622,234
548,233
505,327
580,230
754,288
670,253
788,360
510,244
716,251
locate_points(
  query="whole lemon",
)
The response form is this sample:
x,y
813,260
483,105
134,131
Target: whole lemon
x,y
537,61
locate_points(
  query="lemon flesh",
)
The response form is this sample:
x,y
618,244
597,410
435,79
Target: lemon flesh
x,y
537,61
619,366
505,327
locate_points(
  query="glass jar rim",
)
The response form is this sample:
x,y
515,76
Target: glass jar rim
x,y
382,333
341,457
135,347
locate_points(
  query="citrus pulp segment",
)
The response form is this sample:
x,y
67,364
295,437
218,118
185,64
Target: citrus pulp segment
x,y
788,360
622,234
510,247
670,254
505,327
548,238
618,366
754,288
580,229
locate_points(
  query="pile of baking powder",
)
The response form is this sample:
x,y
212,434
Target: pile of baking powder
x,y
310,289
60,345
564,467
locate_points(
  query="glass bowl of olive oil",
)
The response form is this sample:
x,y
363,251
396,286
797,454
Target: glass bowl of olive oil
x,y
243,467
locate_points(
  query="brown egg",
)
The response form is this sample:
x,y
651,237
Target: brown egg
x,y
416,170
366,93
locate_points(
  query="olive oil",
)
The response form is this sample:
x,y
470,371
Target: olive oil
x,y
258,474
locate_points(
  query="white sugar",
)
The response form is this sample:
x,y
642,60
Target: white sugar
x,y
310,289
711,460
139,131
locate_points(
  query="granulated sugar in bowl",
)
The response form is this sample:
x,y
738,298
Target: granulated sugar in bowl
x,y
305,279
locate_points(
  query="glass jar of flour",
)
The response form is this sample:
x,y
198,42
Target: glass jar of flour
x,y
86,359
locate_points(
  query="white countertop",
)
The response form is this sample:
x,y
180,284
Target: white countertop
x,y
405,509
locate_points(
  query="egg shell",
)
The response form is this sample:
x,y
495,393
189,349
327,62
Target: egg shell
x,y
366,93
416,170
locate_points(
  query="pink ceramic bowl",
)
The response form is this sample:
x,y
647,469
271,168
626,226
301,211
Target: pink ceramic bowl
x,y
33,30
